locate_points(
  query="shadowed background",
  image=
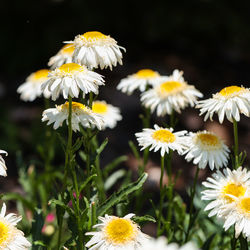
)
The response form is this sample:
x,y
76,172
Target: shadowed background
x,y
209,40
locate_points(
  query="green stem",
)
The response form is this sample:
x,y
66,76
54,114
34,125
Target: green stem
x,y
191,217
236,144
162,193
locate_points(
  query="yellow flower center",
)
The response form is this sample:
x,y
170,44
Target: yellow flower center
x,y
68,49
4,233
70,68
233,189
93,35
146,73
170,87
164,135
75,106
245,205
40,75
99,107
120,231
230,91
208,141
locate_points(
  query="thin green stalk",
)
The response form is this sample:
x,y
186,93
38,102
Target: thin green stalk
x,y
236,144
162,194
191,216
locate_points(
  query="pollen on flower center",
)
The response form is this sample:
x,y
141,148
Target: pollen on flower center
x,y
4,233
68,49
93,35
99,107
170,87
233,189
164,135
75,106
208,141
40,74
120,231
231,90
146,73
70,68
245,205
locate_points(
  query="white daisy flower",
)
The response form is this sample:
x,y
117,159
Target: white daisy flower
x,y
3,167
140,80
31,88
223,187
63,56
110,114
230,102
238,214
173,94
95,49
10,237
161,244
117,233
162,139
80,115
206,148
69,79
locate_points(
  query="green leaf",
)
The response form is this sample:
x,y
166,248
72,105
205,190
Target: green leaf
x,y
77,144
39,243
117,197
16,196
86,182
109,167
145,218
36,229
99,150
134,150
112,179
206,245
61,204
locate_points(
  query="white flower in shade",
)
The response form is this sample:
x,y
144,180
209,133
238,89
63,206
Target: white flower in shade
x,y
117,233
230,102
162,139
31,88
161,244
139,80
80,115
95,49
69,79
238,214
223,187
10,237
173,94
63,56
3,167
206,148
111,115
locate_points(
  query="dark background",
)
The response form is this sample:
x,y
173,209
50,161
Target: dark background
x,y
208,39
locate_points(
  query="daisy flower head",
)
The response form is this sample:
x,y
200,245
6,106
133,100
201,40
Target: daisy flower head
x,y
172,94
69,79
95,49
111,115
116,233
10,237
80,115
238,214
3,167
161,244
140,80
162,139
230,102
31,88
223,188
63,56
206,148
